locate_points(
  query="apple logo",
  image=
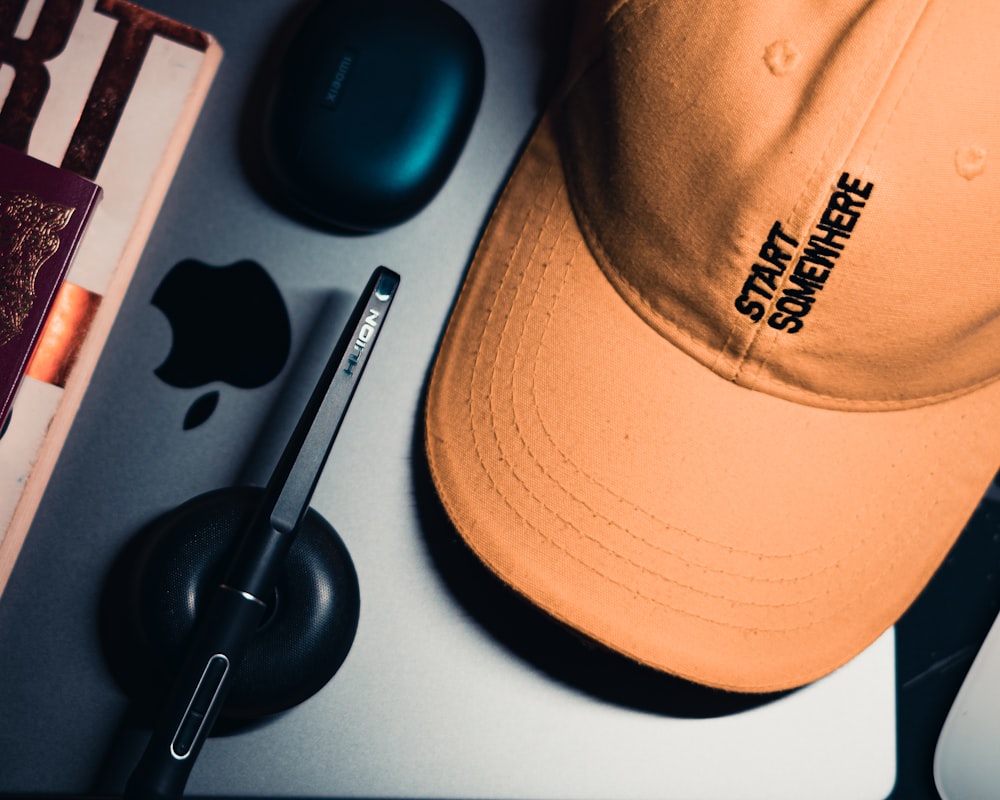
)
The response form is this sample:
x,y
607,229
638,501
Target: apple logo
x,y
229,324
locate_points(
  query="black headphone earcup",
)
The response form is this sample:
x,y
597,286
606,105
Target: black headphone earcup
x,y
165,576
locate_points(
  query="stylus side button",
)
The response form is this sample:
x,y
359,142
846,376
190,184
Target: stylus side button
x,y
195,716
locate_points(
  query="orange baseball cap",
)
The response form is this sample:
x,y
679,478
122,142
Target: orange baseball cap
x,y
720,389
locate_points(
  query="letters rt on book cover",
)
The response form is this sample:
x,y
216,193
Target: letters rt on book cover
x,y
108,91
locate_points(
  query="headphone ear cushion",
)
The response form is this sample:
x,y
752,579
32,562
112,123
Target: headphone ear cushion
x,y
174,565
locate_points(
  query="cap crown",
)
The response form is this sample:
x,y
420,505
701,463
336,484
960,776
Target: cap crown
x,y
776,189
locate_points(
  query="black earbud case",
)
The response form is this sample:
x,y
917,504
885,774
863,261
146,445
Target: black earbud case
x,y
370,109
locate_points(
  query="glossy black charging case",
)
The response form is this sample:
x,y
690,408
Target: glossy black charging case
x,y
370,108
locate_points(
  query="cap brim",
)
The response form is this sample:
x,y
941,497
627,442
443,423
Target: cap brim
x,y
720,534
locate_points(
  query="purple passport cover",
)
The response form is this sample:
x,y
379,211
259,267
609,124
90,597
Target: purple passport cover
x,y
44,211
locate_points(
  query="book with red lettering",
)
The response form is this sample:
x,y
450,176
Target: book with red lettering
x,y
107,91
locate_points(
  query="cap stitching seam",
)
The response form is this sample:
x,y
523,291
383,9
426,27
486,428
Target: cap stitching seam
x,y
655,601
906,90
808,193
651,517
541,533
658,522
758,330
619,556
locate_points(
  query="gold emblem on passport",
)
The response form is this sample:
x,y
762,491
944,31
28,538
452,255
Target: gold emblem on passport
x,y
29,236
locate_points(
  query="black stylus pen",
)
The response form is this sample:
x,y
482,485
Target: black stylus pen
x,y
239,602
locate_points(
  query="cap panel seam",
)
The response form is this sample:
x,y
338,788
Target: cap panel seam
x,y
637,9
583,61
906,90
808,194
941,397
